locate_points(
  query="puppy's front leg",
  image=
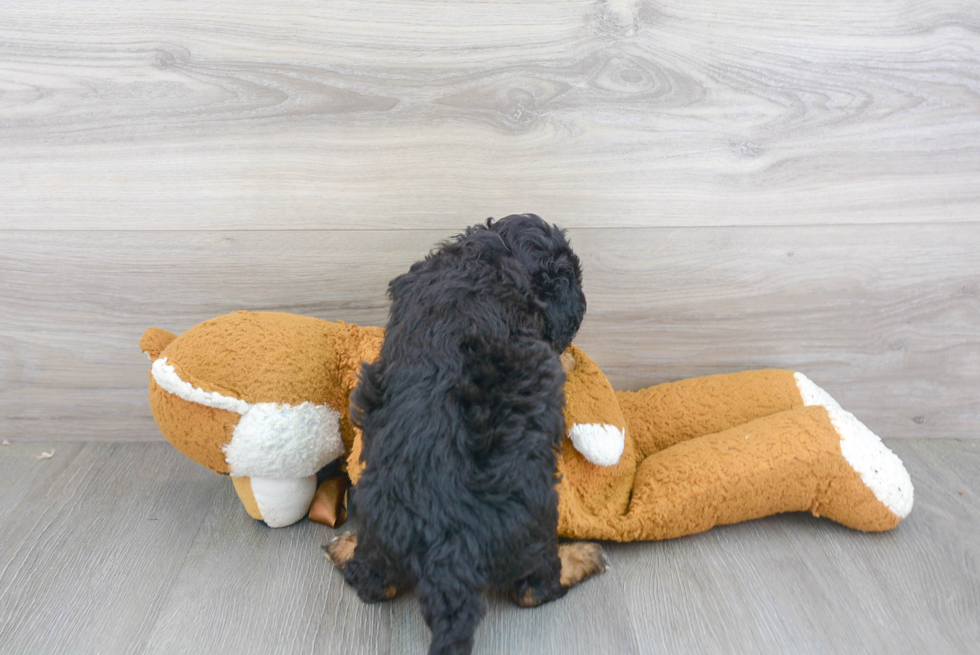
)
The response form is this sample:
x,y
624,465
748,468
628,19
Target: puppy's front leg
x,y
340,550
363,569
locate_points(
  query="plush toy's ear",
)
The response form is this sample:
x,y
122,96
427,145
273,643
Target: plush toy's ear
x,y
154,341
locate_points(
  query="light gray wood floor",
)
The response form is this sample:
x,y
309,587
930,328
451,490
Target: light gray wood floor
x,y
131,548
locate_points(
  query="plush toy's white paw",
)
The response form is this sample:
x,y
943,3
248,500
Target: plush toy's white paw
x,y
600,443
880,469
283,502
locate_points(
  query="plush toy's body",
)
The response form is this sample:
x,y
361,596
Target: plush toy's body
x,y
264,397
722,449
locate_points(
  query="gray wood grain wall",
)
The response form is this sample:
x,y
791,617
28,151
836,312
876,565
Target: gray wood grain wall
x,y
749,184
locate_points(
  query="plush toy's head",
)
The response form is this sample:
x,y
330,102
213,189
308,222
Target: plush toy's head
x,y
260,396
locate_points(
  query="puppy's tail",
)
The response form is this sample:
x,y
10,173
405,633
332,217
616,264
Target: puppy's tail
x,y
452,609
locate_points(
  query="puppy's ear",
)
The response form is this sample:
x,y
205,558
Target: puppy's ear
x,y
368,395
559,286
554,271
404,283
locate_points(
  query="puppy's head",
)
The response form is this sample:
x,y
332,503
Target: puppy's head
x,y
554,270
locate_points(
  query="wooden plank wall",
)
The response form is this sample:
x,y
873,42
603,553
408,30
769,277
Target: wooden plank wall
x,y
749,184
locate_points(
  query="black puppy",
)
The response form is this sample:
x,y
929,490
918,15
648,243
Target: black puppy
x,y
461,418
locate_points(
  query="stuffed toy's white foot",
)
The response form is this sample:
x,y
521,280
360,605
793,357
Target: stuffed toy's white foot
x,y
880,469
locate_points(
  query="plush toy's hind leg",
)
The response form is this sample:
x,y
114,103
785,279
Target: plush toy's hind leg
x,y
818,458
661,416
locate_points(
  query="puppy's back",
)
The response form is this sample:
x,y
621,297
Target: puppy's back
x,y
463,450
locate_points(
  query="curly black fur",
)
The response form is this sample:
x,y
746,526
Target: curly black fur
x,y
461,418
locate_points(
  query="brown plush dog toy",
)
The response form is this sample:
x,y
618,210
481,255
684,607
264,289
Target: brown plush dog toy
x,y
263,397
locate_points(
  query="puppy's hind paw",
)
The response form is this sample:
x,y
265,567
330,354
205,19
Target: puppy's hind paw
x,y
340,549
579,561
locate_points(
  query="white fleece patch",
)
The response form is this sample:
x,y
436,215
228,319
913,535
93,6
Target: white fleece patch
x,y
284,441
600,443
283,502
271,440
880,469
